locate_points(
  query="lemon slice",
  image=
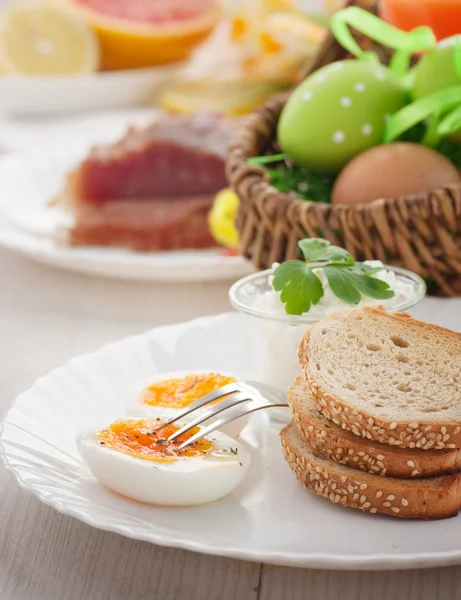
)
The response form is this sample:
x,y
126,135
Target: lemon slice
x,y
229,96
221,219
38,39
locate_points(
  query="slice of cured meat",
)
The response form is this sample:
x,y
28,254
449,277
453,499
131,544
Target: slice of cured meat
x,y
151,190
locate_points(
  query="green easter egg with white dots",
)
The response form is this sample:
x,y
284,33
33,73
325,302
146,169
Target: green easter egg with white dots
x,y
436,70
338,112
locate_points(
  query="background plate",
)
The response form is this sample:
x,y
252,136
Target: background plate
x,y
27,184
270,518
34,95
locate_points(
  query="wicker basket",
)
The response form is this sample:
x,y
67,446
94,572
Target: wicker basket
x,y
420,232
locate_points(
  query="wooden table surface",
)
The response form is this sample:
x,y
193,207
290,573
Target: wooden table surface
x,y
47,316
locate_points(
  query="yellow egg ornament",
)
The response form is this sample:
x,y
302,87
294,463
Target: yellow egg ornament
x,y
221,219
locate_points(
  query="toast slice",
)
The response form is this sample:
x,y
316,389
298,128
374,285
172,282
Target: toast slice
x,y
432,498
386,377
348,449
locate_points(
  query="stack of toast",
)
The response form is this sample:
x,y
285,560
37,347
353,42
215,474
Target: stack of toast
x,y
377,414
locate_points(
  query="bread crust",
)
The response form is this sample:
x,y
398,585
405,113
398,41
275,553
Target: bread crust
x,y
424,434
346,448
434,498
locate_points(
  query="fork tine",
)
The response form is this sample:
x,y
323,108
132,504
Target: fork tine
x,y
210,397
223,421
233,400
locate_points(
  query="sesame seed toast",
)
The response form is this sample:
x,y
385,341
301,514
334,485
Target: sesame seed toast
x,y
349,449
386,377
432,498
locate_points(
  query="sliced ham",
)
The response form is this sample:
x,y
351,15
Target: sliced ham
x,y
145,225
153,189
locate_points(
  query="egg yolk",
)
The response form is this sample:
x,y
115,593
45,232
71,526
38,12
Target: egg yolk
x,y
141,438
179,393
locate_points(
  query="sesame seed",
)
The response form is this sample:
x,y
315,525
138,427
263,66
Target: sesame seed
x,y
361,453
379,494
414,473
413,425
387,504
363,486
395,509
351,451
457,430
362,499
404,502
366,505
391,497
343,479
451,445
446,437
380,457
410,463
443,430
393,425
373,510
355,496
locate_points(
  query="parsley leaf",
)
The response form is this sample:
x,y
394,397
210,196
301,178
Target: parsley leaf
x,y
349,283
341,284
300,287
319,250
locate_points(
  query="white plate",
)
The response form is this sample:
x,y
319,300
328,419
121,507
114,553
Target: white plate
x,y
270,518
27,224
36,95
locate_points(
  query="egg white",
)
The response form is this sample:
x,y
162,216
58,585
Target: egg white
x,y
135,408
186,481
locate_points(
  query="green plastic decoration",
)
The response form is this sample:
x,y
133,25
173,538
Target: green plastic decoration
x,y
441,108
404,43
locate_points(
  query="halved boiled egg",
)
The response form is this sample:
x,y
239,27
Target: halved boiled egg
x,y
164,395
135,459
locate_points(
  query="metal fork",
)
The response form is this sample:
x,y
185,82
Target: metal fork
x,y
250,396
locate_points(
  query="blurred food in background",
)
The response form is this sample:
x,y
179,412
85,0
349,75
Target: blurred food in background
x,y
332,6
143,33
443,16
256,48
58,37
274,38
268,42
153,189
40,39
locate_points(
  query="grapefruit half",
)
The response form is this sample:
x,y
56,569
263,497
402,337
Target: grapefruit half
x,y
144,33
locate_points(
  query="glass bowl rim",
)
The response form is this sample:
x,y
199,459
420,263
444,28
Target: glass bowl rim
x,y
419,293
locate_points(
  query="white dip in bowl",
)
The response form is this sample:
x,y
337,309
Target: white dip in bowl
x,y
282,333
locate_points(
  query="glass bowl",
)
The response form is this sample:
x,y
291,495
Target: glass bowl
x,y
281,333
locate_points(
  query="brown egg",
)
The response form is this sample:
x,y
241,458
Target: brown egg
x,y
392,170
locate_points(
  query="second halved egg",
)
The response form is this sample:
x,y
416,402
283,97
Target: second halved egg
x,y
166,394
